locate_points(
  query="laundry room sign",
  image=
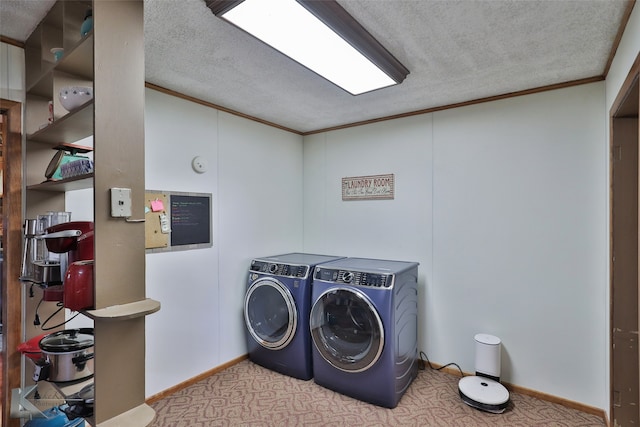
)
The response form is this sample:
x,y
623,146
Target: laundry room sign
x,y
373,187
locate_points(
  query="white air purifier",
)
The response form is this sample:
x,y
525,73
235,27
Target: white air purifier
x,y
483,390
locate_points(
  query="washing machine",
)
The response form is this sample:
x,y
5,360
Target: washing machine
x,y
276,312
364,328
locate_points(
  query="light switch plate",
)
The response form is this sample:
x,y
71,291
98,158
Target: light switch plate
x,y
120,202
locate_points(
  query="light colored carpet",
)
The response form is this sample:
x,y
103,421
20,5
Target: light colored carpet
x,y
247,394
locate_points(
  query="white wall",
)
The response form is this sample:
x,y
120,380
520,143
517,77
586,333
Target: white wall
x,y
380,228
12,78
503,205
519,210
255,178
399,229
184,332
260,188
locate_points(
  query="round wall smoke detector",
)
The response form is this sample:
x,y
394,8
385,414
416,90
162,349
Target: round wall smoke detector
x,y
199,164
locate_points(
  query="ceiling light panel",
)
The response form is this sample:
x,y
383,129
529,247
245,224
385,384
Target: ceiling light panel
x,y
292,29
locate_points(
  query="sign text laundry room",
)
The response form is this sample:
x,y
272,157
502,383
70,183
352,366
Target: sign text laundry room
x,y
373,187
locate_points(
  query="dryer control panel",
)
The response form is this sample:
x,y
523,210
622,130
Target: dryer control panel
x,y
358,278
289,270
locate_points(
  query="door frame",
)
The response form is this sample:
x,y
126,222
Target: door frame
x,y
12,202
624,106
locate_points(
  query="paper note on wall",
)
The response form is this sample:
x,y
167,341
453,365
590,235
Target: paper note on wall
x,y
157,205
154,211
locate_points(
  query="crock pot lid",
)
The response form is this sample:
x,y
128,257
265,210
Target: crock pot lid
x,y
67,340
86,394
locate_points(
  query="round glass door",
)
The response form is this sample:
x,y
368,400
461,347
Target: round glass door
x,y
346,329
270,314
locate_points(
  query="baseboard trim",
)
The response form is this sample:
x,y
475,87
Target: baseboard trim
x,y
540,395
176,388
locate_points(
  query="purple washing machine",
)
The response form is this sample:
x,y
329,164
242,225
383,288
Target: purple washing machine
x,y
276,312
364,328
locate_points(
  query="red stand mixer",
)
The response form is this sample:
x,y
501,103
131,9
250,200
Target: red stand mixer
x,y
75,239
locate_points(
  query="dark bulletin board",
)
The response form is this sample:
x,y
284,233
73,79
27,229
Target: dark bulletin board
x,y
190,220
190,224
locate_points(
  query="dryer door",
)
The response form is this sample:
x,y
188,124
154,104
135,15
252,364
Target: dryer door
x,y
346,329
270,313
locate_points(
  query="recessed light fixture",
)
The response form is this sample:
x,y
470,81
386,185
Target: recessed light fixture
x,y
321,36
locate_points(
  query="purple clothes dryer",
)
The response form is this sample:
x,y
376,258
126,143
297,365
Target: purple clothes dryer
x,y
364,328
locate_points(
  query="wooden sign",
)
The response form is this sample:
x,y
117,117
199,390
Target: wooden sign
x,y
373,187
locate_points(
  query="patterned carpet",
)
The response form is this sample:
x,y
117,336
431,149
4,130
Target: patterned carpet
x,y
247,394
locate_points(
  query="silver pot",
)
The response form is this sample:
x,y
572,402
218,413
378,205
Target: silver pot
x,y
67,355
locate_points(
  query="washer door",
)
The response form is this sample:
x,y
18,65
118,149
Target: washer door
x,y
346,329
270,313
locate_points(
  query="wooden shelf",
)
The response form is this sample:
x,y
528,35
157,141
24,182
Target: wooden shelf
x,y
125,311
78,61
139,416
70,184
73,148
67,389
72,127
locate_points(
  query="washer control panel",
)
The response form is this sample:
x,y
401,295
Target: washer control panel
x,y
358,278
288,270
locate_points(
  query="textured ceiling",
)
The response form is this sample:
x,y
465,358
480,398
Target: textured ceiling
x,y
456,51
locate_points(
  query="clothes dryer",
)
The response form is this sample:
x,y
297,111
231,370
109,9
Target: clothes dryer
x,y
276,312
364,328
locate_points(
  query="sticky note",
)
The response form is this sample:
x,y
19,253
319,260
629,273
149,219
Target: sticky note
x,y
157,206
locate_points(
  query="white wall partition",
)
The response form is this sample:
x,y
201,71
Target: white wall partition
x,y
260,197
185,331
255,177
519,251
398,229
503,205
12,79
